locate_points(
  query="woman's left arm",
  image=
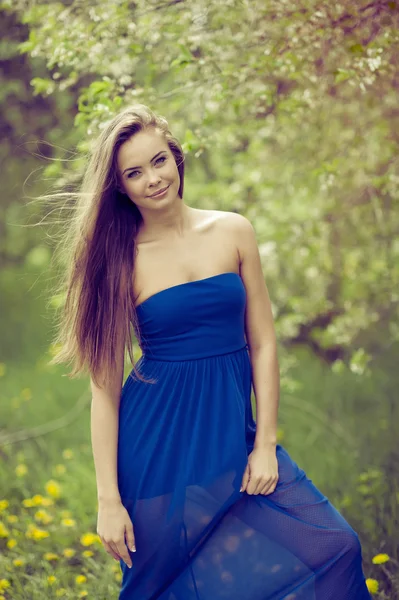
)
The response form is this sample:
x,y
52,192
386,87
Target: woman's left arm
x,y
262,471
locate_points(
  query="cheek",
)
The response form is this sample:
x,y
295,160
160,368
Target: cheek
x,y
173,172
135,187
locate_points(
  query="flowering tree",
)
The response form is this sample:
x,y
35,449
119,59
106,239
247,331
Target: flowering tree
x,y
287,113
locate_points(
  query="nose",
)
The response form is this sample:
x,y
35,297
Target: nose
x,y
154,178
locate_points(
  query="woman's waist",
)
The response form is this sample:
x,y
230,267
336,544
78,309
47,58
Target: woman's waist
x,y
172,353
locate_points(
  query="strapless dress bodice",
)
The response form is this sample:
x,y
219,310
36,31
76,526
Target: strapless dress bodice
x,y
193,320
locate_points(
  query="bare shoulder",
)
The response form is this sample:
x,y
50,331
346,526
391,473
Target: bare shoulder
x,y
239,228
231,221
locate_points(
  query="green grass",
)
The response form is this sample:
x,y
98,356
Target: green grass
x,y
342,428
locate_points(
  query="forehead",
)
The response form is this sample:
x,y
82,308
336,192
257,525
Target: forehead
x,y
140,148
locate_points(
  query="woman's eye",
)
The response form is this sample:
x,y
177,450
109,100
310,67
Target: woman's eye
x,y
132,172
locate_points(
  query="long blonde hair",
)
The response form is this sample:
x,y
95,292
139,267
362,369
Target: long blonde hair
x,y
98,250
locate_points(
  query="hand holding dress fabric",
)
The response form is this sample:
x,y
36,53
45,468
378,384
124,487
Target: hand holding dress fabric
x,y
261,473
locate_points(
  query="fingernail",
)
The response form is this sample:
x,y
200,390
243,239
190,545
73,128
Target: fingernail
x,y
133,548
130,566
240,489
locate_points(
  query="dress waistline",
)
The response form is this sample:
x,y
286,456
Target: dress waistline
x,y
147,355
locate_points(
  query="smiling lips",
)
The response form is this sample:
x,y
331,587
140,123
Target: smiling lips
x,y
159,192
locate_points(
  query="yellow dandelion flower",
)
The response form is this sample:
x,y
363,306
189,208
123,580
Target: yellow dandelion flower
x,y
28,502
380,559
87,553
47,501
60,592
68,522
2,597
26,394
80,579
35,533
43,516
67,454
21,470
87,539
11,543
3,505
53,488
2,369
372,585
69,552
50,556
59,469
51,579
37,500
40,534
18,562
12,518
4,584
83,594
3,530
115,568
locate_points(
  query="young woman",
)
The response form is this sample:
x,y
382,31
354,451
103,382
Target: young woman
x,y
196,500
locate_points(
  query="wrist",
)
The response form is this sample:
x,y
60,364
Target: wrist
x,y
105,500
266,443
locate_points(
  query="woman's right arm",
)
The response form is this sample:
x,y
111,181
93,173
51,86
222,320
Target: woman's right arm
x,y
104,433
114,523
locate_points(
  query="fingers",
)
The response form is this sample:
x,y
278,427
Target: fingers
x,y
118,551
259,486
123,552
122,540
245,479
253,486
109,549
130,540
269,487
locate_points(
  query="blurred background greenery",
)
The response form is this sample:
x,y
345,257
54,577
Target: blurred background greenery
x,y
288,114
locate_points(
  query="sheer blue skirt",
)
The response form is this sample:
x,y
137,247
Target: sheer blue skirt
x,y
182,450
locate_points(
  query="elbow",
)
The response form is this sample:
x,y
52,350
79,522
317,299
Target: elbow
x,y
266,345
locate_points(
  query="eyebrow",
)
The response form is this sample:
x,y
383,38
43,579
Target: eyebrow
x,y
130,168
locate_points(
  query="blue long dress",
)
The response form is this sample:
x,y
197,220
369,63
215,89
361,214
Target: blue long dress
x,y
183,445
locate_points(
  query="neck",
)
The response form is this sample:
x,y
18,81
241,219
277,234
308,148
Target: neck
x,y
172,223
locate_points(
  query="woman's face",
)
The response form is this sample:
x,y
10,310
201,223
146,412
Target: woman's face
x,y
146,165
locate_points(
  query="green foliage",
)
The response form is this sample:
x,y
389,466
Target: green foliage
x,y
277,132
